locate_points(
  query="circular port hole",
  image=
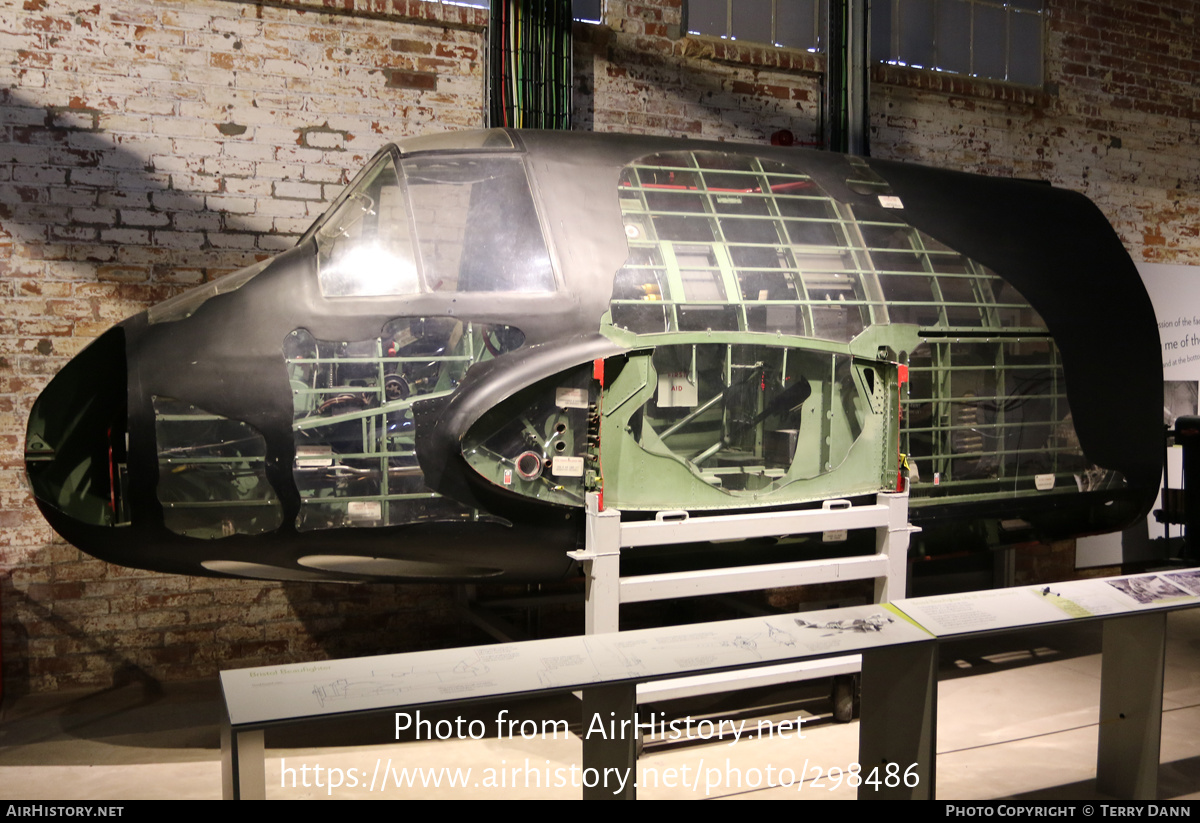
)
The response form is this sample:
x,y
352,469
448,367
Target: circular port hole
x,y
560,446
529,465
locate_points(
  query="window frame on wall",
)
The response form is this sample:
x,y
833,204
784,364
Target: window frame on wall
x,y
756,21
584,11
918,36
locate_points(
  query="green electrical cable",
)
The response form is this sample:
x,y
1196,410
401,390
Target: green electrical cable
x,y
530,42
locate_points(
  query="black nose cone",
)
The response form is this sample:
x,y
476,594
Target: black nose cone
x,y
75,445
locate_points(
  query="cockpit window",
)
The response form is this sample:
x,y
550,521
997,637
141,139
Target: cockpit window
x,y
476,225
365,247
435,224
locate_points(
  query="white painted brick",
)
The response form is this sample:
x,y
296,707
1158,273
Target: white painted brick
x,y
145,145
189,22
235,240
277,242
277,171
241,28
254,223
326,140
278,135
324,174
22,115
291,225
177,127
282,208
287,68
235,205
169,163
142,217
178,239
133,236
253,186
24,154
196,221
227,167
249,151
300,156
298,191
194,183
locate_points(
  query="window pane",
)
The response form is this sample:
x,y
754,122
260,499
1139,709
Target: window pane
x,y
752,20
708,17
700,273
1025,60
881,32
476,226
796,24
353,421
954,37
212,473
365,247
586,10
989,40
916,33
994,39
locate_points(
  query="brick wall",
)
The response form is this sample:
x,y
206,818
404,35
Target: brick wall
x,y
636,75
146,145
1117,121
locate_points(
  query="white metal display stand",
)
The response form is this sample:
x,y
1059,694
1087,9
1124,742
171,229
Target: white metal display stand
x,y
898,726
607,668
608,535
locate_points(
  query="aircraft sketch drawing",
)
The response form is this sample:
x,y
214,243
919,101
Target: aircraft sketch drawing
x,y
864,625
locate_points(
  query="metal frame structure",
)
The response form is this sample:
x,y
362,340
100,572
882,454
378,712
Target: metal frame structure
x,y
608,536
900,691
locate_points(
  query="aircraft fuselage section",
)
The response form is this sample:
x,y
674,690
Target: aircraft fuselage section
x,y
482,330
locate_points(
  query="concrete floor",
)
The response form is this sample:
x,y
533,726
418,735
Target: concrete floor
x,y
1016,719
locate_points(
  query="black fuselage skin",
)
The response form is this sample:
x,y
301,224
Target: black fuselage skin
x,y
1054,246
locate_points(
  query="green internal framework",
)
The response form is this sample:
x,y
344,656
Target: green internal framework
x,y
766,326
212,479
724,245
356,462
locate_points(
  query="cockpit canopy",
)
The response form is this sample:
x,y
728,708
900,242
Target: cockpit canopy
x,y
434,224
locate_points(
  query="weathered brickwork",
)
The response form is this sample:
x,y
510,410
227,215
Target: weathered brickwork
x,y
1118,120
144,147
636,75
147,145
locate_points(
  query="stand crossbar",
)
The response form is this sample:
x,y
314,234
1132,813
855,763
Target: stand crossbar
x,y
608,536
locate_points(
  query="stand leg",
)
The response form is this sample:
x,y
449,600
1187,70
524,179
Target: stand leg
x,y
1131,693
843,697
892,541
898,723
243,772
602,565
610,760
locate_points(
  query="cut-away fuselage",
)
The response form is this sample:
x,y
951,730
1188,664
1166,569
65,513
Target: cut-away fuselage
x,y
486,326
